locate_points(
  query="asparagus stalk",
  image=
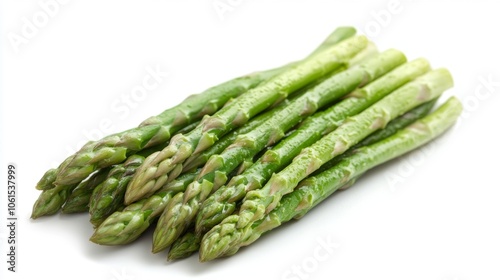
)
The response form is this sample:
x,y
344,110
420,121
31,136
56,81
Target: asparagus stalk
x,y
47,181
223,202
391,128
123,227
259,202
113,149
227,239
52,199
185,246
178,217
78,200
338,35
107,197
397,124
155,170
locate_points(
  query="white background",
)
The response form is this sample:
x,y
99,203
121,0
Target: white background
x,y
68,80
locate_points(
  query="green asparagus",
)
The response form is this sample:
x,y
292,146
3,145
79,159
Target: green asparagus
x,y
78,200
223,167
184,246
52,199
123,227
47,181
226,239
391,128
107,197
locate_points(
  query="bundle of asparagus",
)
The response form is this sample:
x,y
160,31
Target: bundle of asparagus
x,y
225,166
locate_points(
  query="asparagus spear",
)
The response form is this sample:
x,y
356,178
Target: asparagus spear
x,y
123,227
177,218
338,35
107,197
52,199
155,170
222,203
226,239
184,246
158,129
78,200
47,181
391,128
259,202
